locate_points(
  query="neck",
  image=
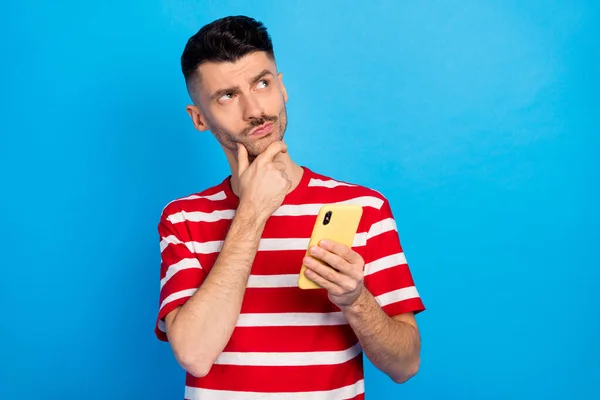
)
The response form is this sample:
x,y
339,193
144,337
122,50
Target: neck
x,y
292,170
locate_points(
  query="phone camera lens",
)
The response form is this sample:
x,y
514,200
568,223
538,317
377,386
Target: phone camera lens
x,y
327,218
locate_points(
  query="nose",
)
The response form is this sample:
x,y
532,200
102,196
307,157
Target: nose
x,y
252,108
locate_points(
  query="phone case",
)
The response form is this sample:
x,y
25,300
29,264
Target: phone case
x,y
341,227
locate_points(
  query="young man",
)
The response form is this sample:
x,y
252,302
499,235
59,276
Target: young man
x,y
230,305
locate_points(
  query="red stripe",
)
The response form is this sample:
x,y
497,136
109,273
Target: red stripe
x,y
208,231
280,262
280,379
184,279
291,338
411,305
382,245
277,300
390,279
172,255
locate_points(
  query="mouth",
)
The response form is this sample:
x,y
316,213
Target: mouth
x,y
261,130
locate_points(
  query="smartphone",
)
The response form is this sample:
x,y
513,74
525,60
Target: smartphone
x,y
335,222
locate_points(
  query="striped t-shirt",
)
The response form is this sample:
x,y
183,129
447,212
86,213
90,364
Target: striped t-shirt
x,y
288,343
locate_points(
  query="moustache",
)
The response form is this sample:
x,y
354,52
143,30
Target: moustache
x,y
259,122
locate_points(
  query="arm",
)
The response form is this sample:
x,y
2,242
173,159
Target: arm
x,y
200,328
391,343
378,299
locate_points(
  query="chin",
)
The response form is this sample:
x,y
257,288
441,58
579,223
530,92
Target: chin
x,y
257,147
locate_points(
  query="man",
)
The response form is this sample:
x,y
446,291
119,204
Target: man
x,y
230,305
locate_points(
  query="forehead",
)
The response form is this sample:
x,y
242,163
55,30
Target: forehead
x,y
214,76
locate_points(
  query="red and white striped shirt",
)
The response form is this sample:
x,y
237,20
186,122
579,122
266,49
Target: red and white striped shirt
x,y
288,343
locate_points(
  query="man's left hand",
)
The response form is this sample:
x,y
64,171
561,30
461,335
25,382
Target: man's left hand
x,y
337,268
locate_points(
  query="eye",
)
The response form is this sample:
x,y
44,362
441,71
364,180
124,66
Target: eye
x,y
263,83
226,96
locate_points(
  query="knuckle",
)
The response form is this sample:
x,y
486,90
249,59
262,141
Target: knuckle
x,y
330,273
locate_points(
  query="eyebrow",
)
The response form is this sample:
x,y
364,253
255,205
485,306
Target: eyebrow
x,y
236,89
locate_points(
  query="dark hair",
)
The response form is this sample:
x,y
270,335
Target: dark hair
x,y
225,40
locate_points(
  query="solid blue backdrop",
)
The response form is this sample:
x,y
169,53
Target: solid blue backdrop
x,y
478,120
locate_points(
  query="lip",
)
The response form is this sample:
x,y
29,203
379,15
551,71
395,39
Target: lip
x,y
261,130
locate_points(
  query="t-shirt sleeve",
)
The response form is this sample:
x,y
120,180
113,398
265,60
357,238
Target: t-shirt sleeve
x,y
180,271
387,275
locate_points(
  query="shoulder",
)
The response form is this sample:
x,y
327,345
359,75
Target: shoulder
x,y
208,200
336,190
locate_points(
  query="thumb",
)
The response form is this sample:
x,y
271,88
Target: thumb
x,y
242,159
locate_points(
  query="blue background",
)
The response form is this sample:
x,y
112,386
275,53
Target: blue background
x,y
478,120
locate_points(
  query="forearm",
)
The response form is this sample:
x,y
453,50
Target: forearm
x,y
392,346
204,324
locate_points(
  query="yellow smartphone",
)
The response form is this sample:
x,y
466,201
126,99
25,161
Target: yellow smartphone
x,y
335,222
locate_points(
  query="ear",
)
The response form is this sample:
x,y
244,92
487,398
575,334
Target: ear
x,y
282,86
197,117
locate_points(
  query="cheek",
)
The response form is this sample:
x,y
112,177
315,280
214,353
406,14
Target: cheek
x,y
227,119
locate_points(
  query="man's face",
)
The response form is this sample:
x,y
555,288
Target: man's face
x,y
243,102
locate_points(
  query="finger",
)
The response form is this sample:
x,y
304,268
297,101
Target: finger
x,y
323,282
341,250
288,180
342,283
271,151
331,259
325,271
279,165
242,159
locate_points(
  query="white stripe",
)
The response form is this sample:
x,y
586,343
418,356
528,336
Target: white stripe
x,y
346,392
161,326
275,244
206,247
171,239
289,358
264,245
176,296
214,197
269,244
383,226
283,244
330,183
291,319
198,216
185,263
360,239
288,210
397,295
385,263
272,281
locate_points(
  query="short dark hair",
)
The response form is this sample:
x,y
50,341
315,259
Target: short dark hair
x,y
225,40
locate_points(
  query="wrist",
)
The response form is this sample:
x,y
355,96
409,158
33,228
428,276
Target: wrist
x,y
251,215
359,304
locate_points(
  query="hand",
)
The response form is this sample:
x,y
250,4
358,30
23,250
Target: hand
x,y
264,183
345,281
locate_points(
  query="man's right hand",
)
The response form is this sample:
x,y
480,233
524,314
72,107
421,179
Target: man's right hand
x,y
264,183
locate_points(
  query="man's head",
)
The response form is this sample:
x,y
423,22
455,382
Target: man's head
x,y
231,76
